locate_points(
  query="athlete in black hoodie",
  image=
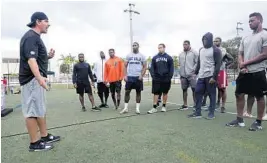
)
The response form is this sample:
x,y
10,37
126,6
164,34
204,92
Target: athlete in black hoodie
x,y
161,71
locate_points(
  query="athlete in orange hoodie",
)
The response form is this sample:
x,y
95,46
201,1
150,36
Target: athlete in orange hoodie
x,y
114,73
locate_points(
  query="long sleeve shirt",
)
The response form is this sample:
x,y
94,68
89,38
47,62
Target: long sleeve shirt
x,y
114,69
81,71
162,67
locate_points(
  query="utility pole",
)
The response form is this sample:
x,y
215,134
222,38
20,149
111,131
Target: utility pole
x,y
131,11
237,35
238,28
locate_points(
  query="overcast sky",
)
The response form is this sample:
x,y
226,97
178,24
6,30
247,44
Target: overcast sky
x,y
90,27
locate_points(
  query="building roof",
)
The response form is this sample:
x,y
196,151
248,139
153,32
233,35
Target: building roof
x,y
10,60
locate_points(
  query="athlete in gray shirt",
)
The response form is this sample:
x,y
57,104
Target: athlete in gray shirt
x,y
135,67
188,63
252,79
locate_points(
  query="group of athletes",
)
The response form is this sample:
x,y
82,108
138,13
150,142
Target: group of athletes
x,y
204,71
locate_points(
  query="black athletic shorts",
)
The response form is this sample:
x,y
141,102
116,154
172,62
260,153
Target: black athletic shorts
x,y
101,87
252,84
115,87
134,83
83,88
159,87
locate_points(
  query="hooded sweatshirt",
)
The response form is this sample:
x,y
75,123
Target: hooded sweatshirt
x,y
188,62
99,69
162,67
210,59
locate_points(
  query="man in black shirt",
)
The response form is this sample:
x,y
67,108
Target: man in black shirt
x,y
80,79
32,78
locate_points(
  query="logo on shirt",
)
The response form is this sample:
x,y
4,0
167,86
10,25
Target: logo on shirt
x,y
135,60
161,59
32,53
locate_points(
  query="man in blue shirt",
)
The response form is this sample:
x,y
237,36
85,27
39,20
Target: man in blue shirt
x,y
161,71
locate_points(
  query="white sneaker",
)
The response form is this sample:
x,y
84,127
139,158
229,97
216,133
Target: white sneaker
x,y
264,118
137,111
125,110
163,109
152,111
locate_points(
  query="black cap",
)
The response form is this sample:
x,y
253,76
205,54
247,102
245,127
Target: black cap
x,y
37,16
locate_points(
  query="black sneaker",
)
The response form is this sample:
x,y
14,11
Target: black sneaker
x,y
101,106
40,146
222,109
194,115
50,138
235,123
255,126
183,107
106,106
96,109
83,108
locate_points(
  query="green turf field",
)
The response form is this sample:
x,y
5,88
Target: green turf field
x,y
108,137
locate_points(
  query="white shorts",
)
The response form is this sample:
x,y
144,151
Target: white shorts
x,y
33,99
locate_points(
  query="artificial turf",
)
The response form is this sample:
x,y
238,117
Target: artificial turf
x,y
108,137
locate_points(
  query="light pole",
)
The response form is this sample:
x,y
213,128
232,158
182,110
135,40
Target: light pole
x,y
131,11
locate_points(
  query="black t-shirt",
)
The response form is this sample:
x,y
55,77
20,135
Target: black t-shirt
x,y
32,46
81,71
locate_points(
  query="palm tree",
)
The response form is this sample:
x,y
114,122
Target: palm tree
x,y
67,65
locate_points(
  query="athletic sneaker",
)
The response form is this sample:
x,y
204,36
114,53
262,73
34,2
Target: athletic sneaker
x,y
223,109
50,138
255,126
137,111
163,109
194,115
106,106
210,116
183,108
102,106
204,105
83,108
96,108
265,117
40,146
153,110
235,123
125,110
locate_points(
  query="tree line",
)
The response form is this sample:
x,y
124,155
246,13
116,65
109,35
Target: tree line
x,y
231,46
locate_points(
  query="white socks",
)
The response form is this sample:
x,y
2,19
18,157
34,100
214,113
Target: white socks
x,y
137,106
125,105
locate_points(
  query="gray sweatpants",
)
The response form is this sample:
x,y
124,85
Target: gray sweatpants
x,y
33,99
